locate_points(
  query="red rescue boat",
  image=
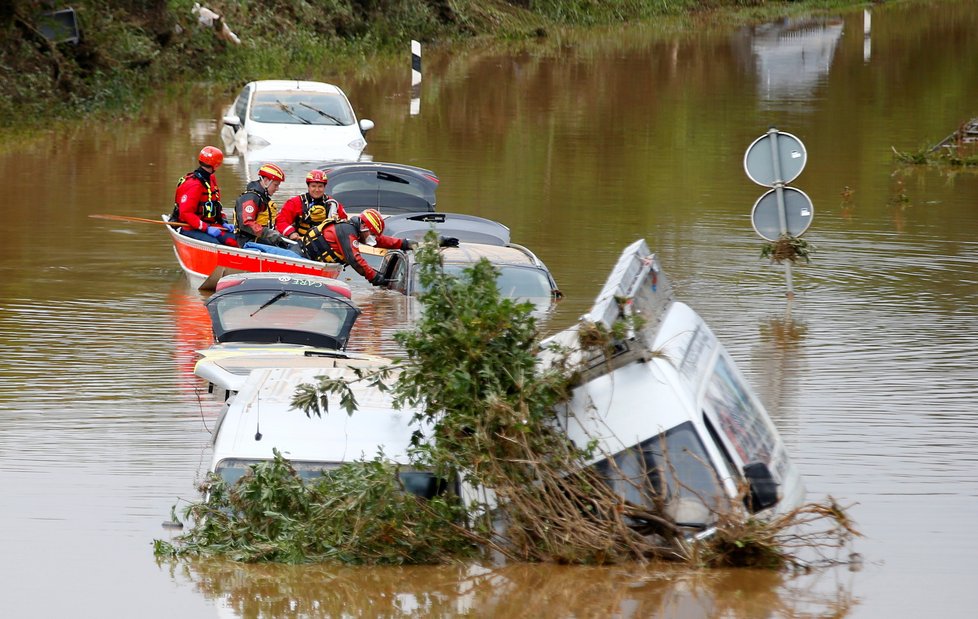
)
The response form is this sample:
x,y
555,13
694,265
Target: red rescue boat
x,y
206,263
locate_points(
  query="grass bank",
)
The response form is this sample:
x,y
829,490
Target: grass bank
x,y
130,48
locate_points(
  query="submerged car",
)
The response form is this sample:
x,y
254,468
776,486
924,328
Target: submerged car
x,y
522,275
388,187
262,419
672,424
263,320
288,120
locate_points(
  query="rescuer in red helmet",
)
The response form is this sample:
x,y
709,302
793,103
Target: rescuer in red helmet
x,y
301,213
254,213
198,202
339,241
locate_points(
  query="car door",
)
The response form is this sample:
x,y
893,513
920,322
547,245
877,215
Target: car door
x,y
395,269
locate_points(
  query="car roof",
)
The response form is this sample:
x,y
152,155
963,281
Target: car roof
x,y
389,187
468,228
266,85
261,417
284,281
510,255
343,166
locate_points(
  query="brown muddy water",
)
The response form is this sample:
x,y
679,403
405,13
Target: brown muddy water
x,y
581,144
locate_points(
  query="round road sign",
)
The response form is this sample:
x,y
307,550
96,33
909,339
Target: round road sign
x,y
759,159
798,211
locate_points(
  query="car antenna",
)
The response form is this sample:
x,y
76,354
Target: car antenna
x,y
258,418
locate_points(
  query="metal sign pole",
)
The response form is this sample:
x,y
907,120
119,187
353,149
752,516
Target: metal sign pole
x,y
779,193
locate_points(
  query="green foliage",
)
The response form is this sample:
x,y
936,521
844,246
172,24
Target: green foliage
x,y
955,156
471,373
357,513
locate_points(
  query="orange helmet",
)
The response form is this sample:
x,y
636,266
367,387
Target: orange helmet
x,y
211,155
272,171
372,221
316,176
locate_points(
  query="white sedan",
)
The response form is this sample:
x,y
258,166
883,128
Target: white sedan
x,y
286,120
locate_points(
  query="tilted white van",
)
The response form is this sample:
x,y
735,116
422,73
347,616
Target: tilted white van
x,y
673,419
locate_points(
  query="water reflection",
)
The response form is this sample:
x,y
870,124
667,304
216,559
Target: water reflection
x,y
307,592
192,332
792,57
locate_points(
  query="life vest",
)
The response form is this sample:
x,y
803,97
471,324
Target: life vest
x,y
312,216
265,217
316,247
209,208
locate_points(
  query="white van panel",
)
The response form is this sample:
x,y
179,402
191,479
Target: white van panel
x,y
263,407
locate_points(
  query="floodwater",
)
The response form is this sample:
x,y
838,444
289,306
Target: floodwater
x,y
580,143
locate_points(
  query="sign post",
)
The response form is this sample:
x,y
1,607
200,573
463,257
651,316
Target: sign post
x,y
774,160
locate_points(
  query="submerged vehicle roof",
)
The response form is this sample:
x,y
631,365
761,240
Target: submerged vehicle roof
x,y
466,228
282,308
388,187
261,417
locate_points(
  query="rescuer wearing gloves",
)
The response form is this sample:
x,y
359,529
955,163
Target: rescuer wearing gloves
x,y
198,202
339,241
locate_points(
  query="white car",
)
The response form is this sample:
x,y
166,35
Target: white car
x,y
277,121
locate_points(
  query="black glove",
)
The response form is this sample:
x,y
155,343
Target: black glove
x,y
448,241
379,280
406,245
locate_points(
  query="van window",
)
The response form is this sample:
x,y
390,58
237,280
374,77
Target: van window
x,y
673,469
730,406
419,483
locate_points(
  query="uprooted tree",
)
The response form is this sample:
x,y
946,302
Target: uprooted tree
x,y
471,373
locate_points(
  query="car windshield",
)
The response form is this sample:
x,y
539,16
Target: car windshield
x,y
513,282
267,309
292,107
671,470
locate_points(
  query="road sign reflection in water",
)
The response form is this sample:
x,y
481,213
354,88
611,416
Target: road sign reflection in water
x,y
798,213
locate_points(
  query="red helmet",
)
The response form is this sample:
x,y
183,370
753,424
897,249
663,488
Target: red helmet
x,y
316,176
372,221
272,171
211,155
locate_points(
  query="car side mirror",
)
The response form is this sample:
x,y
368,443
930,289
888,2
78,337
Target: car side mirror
x,y
366,125
763,487
232,119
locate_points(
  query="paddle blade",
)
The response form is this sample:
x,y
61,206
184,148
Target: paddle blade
x,y
141,220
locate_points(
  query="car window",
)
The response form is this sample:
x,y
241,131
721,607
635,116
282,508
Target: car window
x,y
513,282
352,181
671,468
297,311
396,271
290,107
